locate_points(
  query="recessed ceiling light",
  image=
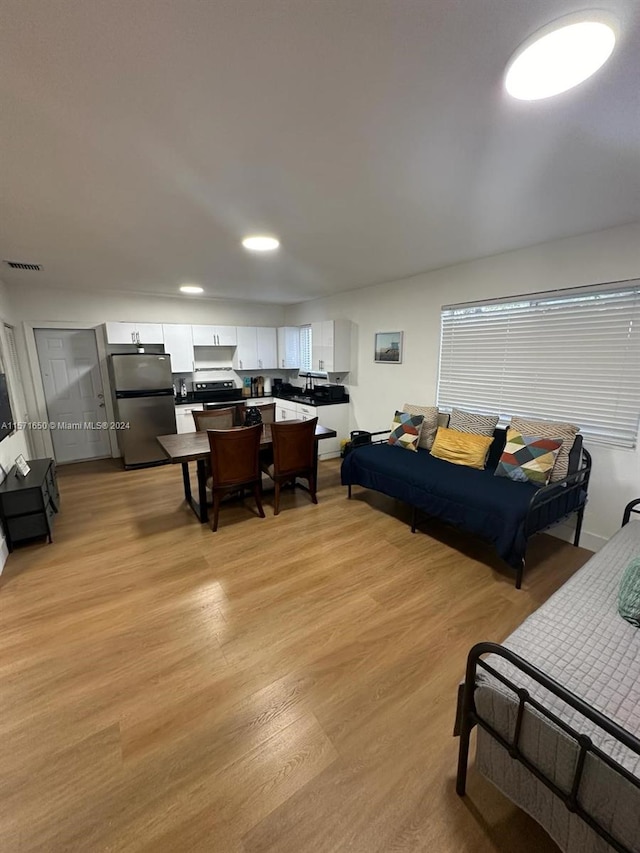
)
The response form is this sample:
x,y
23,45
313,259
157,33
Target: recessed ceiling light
x,y
559,56
191,288
260,243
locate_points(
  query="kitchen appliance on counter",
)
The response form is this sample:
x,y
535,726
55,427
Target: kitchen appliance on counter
x,y
142,389
330,393
218,391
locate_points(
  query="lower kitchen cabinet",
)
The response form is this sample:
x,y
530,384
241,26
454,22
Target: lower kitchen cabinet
x,y
29,504
334,417
184,416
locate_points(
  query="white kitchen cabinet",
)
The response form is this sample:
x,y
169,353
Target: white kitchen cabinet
x,y
214,336
331,346
246,355
257,348
286,411
334,417
133,333
267,338
289,347
184,417
179,344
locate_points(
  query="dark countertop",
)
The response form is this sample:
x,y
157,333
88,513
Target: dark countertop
x,y
306,399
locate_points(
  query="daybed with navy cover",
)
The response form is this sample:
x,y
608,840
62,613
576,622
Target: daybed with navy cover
x,y
499,510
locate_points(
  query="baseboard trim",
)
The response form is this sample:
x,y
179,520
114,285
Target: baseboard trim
x,y
566,532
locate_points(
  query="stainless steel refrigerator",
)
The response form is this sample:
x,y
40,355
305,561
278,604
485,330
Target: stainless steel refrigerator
x,y
144,402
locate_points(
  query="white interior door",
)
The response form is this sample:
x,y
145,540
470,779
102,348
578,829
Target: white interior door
x,y
73,392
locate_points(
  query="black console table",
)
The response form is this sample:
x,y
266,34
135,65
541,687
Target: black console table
x,y
29,504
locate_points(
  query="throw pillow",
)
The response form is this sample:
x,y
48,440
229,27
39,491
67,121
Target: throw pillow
x,y
629,593
461,448
528,458
548,429
473,422
429,424
405,430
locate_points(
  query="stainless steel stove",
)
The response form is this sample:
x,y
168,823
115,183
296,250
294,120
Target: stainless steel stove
x,y
220,391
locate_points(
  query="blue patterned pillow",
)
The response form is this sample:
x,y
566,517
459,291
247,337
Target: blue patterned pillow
x,y
629,593
405,430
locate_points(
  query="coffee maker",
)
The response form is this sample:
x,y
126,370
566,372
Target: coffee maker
x,y
276,386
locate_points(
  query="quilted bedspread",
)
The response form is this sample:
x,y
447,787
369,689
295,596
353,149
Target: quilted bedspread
x,y
577,638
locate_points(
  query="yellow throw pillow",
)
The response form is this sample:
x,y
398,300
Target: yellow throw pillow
x,y
461,448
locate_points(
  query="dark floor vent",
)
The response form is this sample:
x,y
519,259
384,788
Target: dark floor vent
x,y
19,265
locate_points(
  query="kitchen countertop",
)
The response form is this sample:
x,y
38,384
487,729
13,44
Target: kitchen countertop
x,y
306,399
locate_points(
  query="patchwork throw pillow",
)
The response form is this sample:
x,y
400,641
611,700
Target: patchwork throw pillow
x,y
528,458
548,429
473,422
429,424
461,448
629,593
405,430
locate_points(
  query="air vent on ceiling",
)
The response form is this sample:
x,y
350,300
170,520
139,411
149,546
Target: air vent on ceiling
x,y
19,265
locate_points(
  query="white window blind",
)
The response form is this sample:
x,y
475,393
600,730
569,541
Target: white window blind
x,y
305,348
571,356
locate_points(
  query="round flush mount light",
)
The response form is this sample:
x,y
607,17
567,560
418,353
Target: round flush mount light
x,y
260,243
191,288
560,56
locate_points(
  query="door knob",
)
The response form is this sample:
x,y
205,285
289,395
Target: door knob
x,y
100,396
101,405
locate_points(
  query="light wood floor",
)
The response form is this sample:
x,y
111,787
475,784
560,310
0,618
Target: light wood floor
x,y
285,684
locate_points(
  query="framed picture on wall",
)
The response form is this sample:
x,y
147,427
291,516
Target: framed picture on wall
x,y
388,347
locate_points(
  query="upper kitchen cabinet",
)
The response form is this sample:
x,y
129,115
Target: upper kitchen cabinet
x,y
134,333
215,336
257,348
267,347
179,344
288,347
331,346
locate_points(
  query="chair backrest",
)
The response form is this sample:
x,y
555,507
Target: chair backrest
x,y
214,419
268,412
293,446
235,455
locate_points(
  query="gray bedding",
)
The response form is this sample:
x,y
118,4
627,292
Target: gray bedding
x,y
578,639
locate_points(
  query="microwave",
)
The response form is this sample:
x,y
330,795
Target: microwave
x,y
334,393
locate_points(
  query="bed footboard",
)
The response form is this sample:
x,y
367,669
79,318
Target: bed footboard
x,y
468,717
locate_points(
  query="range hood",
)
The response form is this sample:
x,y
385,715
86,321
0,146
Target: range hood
x,y
213,358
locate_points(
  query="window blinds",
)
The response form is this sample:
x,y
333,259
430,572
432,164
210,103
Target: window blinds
x,y
571,356
305,348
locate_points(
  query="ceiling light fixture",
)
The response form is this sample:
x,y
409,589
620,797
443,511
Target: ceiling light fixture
x,y
560,56
261,243
191,288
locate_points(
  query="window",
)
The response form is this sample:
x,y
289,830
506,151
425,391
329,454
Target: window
x,y
566,355
305,348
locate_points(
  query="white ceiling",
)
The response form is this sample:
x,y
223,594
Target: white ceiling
x,y
141,139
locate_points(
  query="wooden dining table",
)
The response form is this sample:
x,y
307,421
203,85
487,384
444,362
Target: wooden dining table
x,y
186,447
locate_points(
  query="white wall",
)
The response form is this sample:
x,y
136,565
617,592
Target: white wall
x,y
38,304
413,306
14,444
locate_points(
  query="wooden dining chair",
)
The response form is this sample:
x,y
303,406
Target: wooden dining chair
x,y
235,465
294,455
268,412
214,419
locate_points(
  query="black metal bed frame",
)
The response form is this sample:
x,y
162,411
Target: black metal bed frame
x,y
468,717
538,516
